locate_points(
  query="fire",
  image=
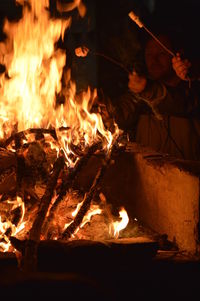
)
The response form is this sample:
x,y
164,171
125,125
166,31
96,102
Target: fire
x,y
7,228
93,210
85,127
114,227
28,91
34,69
74,213
117,226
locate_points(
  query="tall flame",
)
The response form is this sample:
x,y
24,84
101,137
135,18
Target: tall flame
x,y
34,71
28,90
34,67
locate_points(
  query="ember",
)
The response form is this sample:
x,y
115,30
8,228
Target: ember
x,y
44,146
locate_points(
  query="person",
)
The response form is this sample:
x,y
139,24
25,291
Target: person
x,y
161,108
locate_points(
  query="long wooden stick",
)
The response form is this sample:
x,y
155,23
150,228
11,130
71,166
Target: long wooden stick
x,y
136,19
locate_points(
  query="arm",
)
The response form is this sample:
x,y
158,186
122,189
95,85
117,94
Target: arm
x,y
142,95
150,93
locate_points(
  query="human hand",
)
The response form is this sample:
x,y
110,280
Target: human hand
x,y
181,67
136,82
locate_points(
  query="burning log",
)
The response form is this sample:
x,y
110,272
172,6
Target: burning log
x,y
39,133
31,248
30,162
29,98
8,181
7,159
69,180
44,205
20,170
87,201
8,165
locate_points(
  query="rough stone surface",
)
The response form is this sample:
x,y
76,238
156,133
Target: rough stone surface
x,y
160,191
167,199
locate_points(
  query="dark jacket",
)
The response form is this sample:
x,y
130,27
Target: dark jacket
x,y
157,99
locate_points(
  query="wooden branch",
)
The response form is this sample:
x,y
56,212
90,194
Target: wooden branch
x,y
37,131
30,258
68,182
90,195
7,159
8,170
87,201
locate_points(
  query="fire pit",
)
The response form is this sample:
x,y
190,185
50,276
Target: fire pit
x,y
44,148
70,189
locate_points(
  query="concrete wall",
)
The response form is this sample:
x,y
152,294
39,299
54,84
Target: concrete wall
x,y
166,198
163,196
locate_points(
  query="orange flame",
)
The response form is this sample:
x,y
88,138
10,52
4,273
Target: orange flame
x,y
117,226
28,92
35,68
94,209
8,225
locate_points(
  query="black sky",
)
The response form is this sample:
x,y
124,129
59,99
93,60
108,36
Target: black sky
x,y
180,16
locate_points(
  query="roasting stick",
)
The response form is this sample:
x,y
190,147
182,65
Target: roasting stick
x,y
137,20
83,51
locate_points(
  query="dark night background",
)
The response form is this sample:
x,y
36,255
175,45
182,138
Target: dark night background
x,y
108,30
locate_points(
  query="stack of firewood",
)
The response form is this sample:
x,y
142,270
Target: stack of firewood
x,y
42,180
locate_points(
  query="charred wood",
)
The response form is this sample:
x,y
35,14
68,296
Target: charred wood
x,y
8,167
46,199
7,159
32,165
8,181
30,258
87,201
16,215
13,137
70,178
39,132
